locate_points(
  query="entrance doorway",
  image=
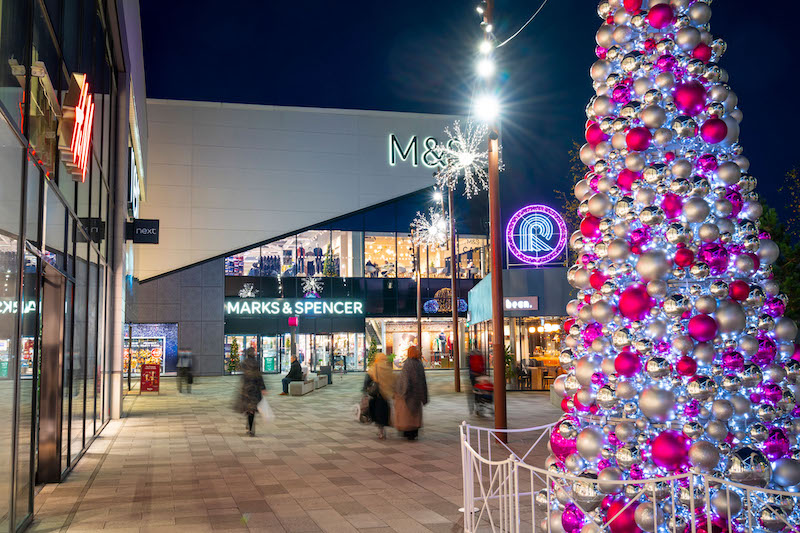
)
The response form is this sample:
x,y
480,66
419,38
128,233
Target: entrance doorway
x,y
49,466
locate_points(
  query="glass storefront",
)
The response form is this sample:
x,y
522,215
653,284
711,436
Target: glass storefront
x,y
344,351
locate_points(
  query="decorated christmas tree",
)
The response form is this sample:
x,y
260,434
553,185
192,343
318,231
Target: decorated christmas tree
x,y
679,358
328,266
233,360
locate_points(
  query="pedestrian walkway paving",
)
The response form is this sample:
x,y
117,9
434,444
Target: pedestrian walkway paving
x,y
180,462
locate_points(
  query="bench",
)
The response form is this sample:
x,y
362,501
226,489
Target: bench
x,y
299,388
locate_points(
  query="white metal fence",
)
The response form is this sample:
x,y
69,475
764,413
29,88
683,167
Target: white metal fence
x,y
504,492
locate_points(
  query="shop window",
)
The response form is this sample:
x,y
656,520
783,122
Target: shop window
x,y
315,256
405,256
380,254
473,256
247,263
55,219
438,261
235,349
279,258
32,199
153,344
78,361
348,253
14,25
91,347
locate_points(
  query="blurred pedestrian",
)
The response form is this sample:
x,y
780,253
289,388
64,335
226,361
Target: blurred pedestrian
x,y
252,389
379,387
411,393
185,370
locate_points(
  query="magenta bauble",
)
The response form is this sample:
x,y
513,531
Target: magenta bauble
x,y
590,227
627,364
672,204
703,52
571,519
690,97
638,139
714,130
632,6
634,303
625,521
776,445
686,366
561,447
670,450
702,328
715,256
739,290
626,178
684,257
660,16
594,135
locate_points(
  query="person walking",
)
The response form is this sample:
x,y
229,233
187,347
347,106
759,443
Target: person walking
x,y
252,389
411,393
379,387
295,374
185,370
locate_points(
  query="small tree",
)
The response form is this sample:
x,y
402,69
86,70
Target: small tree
x,y
787,268
328,266
233,361
373,349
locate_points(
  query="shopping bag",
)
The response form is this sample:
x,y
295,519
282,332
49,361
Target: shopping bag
x,y
355,412
265,411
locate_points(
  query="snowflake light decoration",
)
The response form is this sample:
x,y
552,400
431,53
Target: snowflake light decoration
x,y
464,153
312,287
248,290
430,231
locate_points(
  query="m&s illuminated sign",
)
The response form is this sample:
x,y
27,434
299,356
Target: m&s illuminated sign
x,y
415,151
293,307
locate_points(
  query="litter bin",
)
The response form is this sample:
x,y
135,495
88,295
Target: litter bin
x,y
325,370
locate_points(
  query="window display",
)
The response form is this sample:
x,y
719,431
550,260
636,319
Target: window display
x,y
155,344
235,349
144,351
380,255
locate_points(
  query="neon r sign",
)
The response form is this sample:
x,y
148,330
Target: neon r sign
x,y
536,235
82,131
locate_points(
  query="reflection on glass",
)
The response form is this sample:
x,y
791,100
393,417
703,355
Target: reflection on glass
x,y
79,348
235,349
405,257
25,440
67,379
91,350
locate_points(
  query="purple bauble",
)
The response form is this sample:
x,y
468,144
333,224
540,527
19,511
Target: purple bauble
x,y
561,446
775,307
735,198
571,518
766,351
772,392
702,328
733,361
591,332
776,445
715,256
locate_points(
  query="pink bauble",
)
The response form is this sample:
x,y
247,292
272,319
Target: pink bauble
x,y
702,52
777,444
660,16
594,135
715,255
690,97
625,521
571,518
632,6
684,257
672,204
590,227
670,450
732,361
597,279
626,178
627,364
638,139
561,446
713,130
634,303
739,290
702,328
686,366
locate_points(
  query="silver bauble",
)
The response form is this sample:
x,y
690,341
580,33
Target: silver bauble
x,y
717,430
618,250
786,329
589,442
625,431
773,518
585,396
605,36
606,398
665,80
700,13
628,456
607,475
787,472
730,317
726,503
540,500
706,304
748,344
587,493
599,204
582,191
708,232
749,467
585,368
768,251
622,34
657,403
722,409
626,390
740,404
648,516
684,127
558,385
653,116
704,455
554,519
751,211
652,265
703,353
600,70
701,388
603,312
687,38
574,463
635,162
662,136
696,209
729,173
744,264
657,288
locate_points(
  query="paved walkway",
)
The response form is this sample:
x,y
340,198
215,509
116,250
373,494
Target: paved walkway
x,y
185,463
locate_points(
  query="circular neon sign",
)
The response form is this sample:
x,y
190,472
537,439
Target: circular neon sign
x,y
536,234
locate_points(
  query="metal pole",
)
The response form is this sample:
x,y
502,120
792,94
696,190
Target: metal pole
x,y
419,300
130,353
454,292
495,240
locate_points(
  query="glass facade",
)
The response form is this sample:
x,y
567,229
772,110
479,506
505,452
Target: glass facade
x,y
53,242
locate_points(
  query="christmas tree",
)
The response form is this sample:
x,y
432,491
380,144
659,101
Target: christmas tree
x,y
679,358
233,360
328,266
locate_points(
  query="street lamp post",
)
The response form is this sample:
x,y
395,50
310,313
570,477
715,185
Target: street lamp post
x,y
495,243
419,297
454,293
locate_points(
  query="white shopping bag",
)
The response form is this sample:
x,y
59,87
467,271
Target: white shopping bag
x,y
265,411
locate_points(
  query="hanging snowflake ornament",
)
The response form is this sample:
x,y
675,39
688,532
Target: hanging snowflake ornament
x,y
312,287
465,155
430,231
248,290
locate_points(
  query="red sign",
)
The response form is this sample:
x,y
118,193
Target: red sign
x,y
150,377
82,132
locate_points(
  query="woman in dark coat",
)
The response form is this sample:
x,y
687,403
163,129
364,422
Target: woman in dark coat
x,y
379,386
411,393
252,389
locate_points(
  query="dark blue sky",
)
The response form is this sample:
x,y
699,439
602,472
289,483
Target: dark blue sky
x,y
418,56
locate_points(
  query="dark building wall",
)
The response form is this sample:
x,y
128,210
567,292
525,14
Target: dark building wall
x,y
192,298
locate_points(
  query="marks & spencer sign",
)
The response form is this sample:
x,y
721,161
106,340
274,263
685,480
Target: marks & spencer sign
x,y
285,307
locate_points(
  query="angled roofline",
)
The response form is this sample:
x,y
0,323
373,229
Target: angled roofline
x,y
287,234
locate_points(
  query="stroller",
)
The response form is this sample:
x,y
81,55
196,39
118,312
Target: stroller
x,y
482,387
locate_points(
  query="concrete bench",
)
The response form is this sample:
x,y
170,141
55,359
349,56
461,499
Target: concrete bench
x,y
322,381
300,388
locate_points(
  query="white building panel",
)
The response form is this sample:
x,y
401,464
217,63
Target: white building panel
x,y
224,176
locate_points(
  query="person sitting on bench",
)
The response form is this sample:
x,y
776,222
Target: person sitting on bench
x,y
295,374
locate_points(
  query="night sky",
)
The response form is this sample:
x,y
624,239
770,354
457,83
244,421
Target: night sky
x,y
418,57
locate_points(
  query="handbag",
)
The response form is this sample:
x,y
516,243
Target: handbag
x,y
265,411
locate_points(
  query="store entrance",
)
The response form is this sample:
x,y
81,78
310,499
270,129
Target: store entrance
x,y
52,368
